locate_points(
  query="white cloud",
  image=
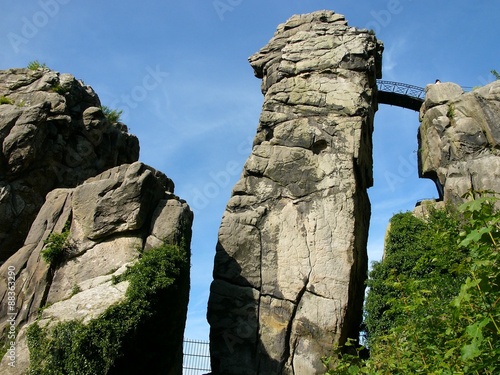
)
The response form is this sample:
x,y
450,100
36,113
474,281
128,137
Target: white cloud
x,y
392,54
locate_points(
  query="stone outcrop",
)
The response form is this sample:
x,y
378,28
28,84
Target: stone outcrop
x,y
291,259
53,134
112,219
459,139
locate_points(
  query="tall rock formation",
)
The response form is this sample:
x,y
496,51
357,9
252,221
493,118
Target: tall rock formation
x,y
291,259
101,284
108,222
459,139
53,134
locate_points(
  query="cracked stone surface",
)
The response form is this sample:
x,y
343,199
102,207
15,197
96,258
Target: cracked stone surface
x,y
459,139
53,134
291,259
114,217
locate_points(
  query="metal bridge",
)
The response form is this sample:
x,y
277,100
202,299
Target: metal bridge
x,y
400,94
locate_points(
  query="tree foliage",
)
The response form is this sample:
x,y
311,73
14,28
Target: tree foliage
x,y
433,306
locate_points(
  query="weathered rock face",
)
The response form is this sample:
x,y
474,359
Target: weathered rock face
x,y
53,135
291,260
459,139
113,218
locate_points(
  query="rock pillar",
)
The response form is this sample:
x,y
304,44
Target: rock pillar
x,y
291,259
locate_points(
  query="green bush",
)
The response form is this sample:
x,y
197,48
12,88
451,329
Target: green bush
x,y
112,115
451,111
434,301
422,251
35,65
75,289
56,248
93,349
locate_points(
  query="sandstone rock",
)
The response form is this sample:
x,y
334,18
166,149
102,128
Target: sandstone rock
x,y
54,135
291,259
460,139
441,93
86,305
111,216
120,206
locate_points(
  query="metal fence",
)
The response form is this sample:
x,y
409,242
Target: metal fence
x,y
196,359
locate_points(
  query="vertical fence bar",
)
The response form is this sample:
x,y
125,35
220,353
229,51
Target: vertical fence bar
x,y
196,360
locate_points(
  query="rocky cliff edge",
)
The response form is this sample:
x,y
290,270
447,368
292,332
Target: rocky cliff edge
x,y
99,283
53,134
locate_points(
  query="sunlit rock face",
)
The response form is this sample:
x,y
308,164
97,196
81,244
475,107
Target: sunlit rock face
x,y
53,134
459,139
291,259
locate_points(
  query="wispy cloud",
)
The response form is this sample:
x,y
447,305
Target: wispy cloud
x,y
391,56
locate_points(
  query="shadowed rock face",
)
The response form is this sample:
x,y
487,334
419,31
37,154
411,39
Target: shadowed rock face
x,y
113,218
291,260
53,134
459,139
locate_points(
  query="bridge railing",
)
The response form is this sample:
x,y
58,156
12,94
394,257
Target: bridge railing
x,y
402,89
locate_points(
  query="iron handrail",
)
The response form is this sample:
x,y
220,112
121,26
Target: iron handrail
x,y
402,89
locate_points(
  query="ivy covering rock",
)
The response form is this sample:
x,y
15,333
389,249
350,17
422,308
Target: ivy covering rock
x,y
73,347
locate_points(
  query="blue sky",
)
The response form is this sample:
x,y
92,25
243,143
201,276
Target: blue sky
x,y
179,71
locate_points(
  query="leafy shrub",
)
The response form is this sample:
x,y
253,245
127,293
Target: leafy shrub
x,y
35,65
434,301
93,349
478,303
112,115
451,111
416,250
56,248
